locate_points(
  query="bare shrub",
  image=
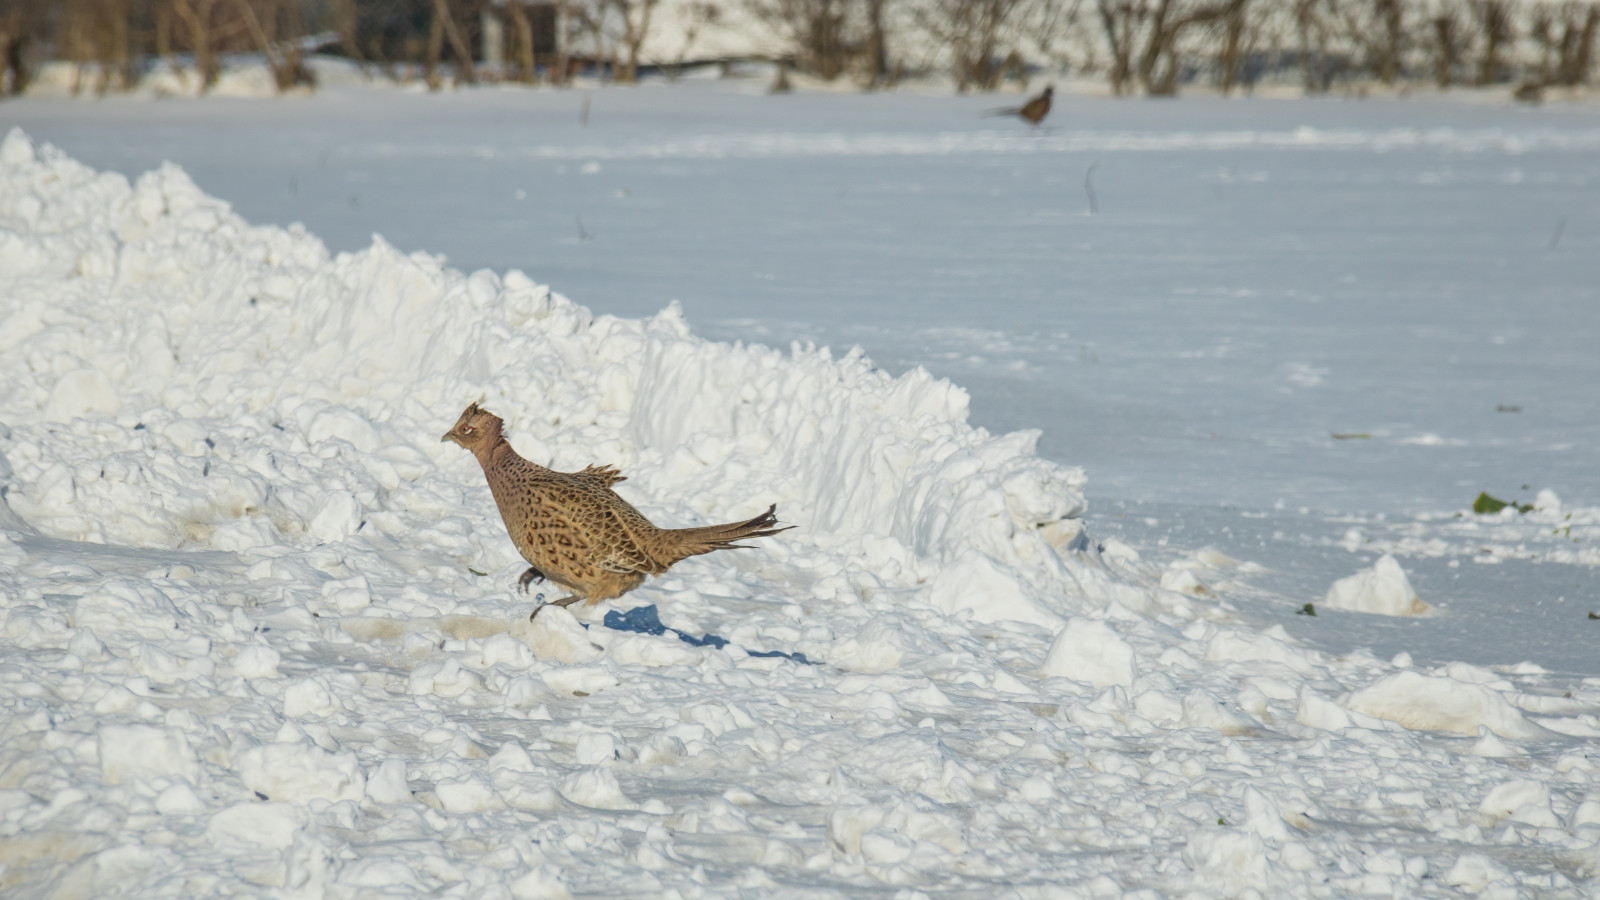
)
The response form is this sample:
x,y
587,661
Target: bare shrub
x,y
1564,35
1449,43
982,36
622,26
1145,37
829,38
21,27
1495,30
1378,29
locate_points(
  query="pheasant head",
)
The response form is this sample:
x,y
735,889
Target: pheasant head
x,y
477,430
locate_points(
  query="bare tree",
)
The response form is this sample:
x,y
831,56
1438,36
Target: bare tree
x,y
523,56
1565,36
697,15
625,25
828,38
1378,27
197,16
444,25
1145,37
982,37
1580,60
1232,34
877,50
1321,57
1494,24
18,28
97,32
1119,18
1449,43
1058,30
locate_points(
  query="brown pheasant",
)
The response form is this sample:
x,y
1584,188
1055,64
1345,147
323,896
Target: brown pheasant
x,y
574,530
1034,110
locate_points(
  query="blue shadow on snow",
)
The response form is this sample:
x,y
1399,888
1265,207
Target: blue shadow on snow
x,y
645,620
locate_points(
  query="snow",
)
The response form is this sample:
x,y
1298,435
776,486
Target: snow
x,y
1383,589
248,647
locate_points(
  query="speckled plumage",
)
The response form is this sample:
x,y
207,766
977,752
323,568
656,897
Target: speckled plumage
x,y
574,530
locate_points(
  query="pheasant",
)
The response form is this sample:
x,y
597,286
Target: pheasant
x,y
1034,110
574,530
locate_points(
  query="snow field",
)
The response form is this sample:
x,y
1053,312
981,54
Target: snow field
x,y
247,644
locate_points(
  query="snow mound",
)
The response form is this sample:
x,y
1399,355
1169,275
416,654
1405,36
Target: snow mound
x,y
1090,651
298,772
1383,589
200,371
1442,704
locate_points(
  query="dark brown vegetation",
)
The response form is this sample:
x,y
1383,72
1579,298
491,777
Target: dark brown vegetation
x,y
1152,47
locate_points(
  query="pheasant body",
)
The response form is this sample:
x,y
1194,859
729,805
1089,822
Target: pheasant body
x,y
1034,111
574,530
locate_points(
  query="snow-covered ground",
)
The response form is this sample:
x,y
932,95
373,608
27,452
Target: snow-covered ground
x,y
247,645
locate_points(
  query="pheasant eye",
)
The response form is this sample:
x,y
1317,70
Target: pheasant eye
x,y
466,429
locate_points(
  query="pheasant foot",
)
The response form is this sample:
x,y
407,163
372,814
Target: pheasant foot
x,y
564,601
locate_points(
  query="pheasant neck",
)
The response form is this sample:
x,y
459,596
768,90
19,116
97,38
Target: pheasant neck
x,y
494,448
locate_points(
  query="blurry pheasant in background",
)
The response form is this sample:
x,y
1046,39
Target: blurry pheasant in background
x,y
574,530
1034,110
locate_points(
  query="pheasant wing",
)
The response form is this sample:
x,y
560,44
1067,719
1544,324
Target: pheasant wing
x,y
553,543
604,476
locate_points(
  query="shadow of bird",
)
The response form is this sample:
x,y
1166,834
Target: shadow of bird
x,y
1033,111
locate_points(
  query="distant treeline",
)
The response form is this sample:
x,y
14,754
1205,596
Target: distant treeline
x,y
1138,46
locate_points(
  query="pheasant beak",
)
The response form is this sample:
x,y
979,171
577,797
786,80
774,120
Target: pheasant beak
x,y
449,436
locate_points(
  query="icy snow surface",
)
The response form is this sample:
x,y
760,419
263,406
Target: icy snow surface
x,y
247,645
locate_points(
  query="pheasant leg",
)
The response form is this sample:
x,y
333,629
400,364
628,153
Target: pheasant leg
x,y
529,576
564,601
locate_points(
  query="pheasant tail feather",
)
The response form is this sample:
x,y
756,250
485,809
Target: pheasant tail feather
x,y
681,543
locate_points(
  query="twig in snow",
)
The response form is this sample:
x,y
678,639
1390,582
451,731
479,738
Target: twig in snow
x,y
583,114
1561,226
583,236
1088,188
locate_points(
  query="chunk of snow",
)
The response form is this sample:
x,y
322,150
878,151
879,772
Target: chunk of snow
x,y
299,772
1473,872
261,824
336,516
1523,800
1230,860
597,788
467,795
542,883
992,593
595,748
387,783
79,393
142,751
444,677
555,634
1442,704
1263,818
256,661
308,696
1317,711
1383,589
1088,650
347,595
179,799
